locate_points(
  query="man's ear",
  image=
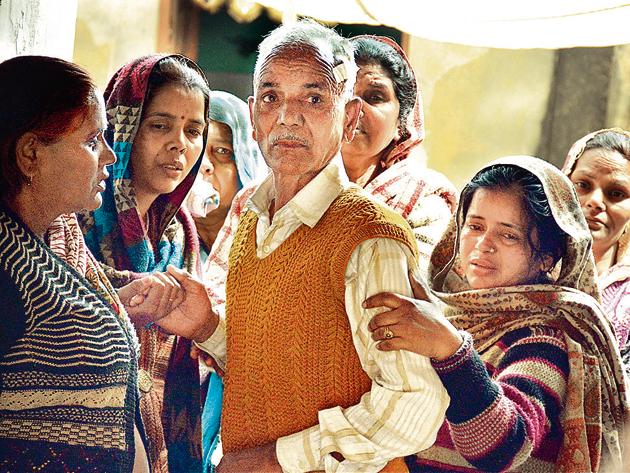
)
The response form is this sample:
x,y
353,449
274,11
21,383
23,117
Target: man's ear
x,y
352,112
27,148
250,102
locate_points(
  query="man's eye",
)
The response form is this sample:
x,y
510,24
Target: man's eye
x,y
315,99
268,98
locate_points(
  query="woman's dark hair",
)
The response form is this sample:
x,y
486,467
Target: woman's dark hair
x,y
42,95
372,51
505,177
612,141
178,71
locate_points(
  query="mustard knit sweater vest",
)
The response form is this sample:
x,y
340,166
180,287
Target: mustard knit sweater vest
x,y
290,352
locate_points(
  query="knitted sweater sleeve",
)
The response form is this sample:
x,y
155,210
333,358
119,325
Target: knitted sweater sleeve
x,y
497,422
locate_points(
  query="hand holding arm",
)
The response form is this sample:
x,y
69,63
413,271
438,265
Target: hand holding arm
x,y
416,325
193,317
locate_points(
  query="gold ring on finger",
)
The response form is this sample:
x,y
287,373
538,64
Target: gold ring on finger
x,y
388,333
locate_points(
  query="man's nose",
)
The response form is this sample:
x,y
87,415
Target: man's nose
x,y
290,113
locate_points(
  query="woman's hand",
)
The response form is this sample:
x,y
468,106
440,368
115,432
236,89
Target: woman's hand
x,y
151,297
192,317
416,325
173,300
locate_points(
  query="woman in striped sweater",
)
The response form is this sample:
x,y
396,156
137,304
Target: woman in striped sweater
x,y
68,352
521,345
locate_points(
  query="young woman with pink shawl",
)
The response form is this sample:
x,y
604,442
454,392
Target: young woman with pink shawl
x,y
598,164
515,332
157,108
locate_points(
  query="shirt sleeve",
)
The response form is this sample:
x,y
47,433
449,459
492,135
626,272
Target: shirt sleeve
x,y
406,404
216,267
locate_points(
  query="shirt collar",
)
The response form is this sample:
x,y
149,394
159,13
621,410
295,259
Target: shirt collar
x,y
312,201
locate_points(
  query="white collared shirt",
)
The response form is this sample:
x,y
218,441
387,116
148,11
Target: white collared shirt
x,y
406,404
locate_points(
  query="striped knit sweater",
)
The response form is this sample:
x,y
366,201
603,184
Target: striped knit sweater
x,y
68,395
506,406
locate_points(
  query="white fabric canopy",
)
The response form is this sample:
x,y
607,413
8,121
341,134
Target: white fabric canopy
x,y
491,23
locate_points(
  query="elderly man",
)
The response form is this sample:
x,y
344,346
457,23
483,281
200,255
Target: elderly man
x,y
305,386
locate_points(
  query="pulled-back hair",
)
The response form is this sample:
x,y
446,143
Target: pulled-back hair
x,y
610,140
43,95
308,35
177,71
510,178
371,51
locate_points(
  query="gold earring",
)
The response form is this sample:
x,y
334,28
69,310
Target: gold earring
x,y
29,180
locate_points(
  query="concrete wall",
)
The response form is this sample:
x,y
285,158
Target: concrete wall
x,y
43,27
110,33
480,103
619,94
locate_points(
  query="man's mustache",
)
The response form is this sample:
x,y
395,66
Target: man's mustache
x,y
289,137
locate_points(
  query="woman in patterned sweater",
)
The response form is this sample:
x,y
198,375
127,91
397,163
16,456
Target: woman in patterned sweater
x,y
527,358
68,354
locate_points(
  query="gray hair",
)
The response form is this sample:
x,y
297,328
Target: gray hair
x,y
307,33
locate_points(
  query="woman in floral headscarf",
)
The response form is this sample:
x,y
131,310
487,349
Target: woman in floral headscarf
x,y
385,156
157,108
599,166
521,345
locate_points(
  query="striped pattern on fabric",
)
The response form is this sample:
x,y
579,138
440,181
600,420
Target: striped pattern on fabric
x,y
505,406
69,380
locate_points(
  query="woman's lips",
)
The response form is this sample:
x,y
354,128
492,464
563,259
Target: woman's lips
x,y
102,184
481,267
172,170
594,223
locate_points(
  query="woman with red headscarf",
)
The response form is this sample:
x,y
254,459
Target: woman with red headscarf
x,y
384,156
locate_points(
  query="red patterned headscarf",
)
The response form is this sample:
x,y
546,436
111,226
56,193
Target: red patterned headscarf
x,y
414,126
